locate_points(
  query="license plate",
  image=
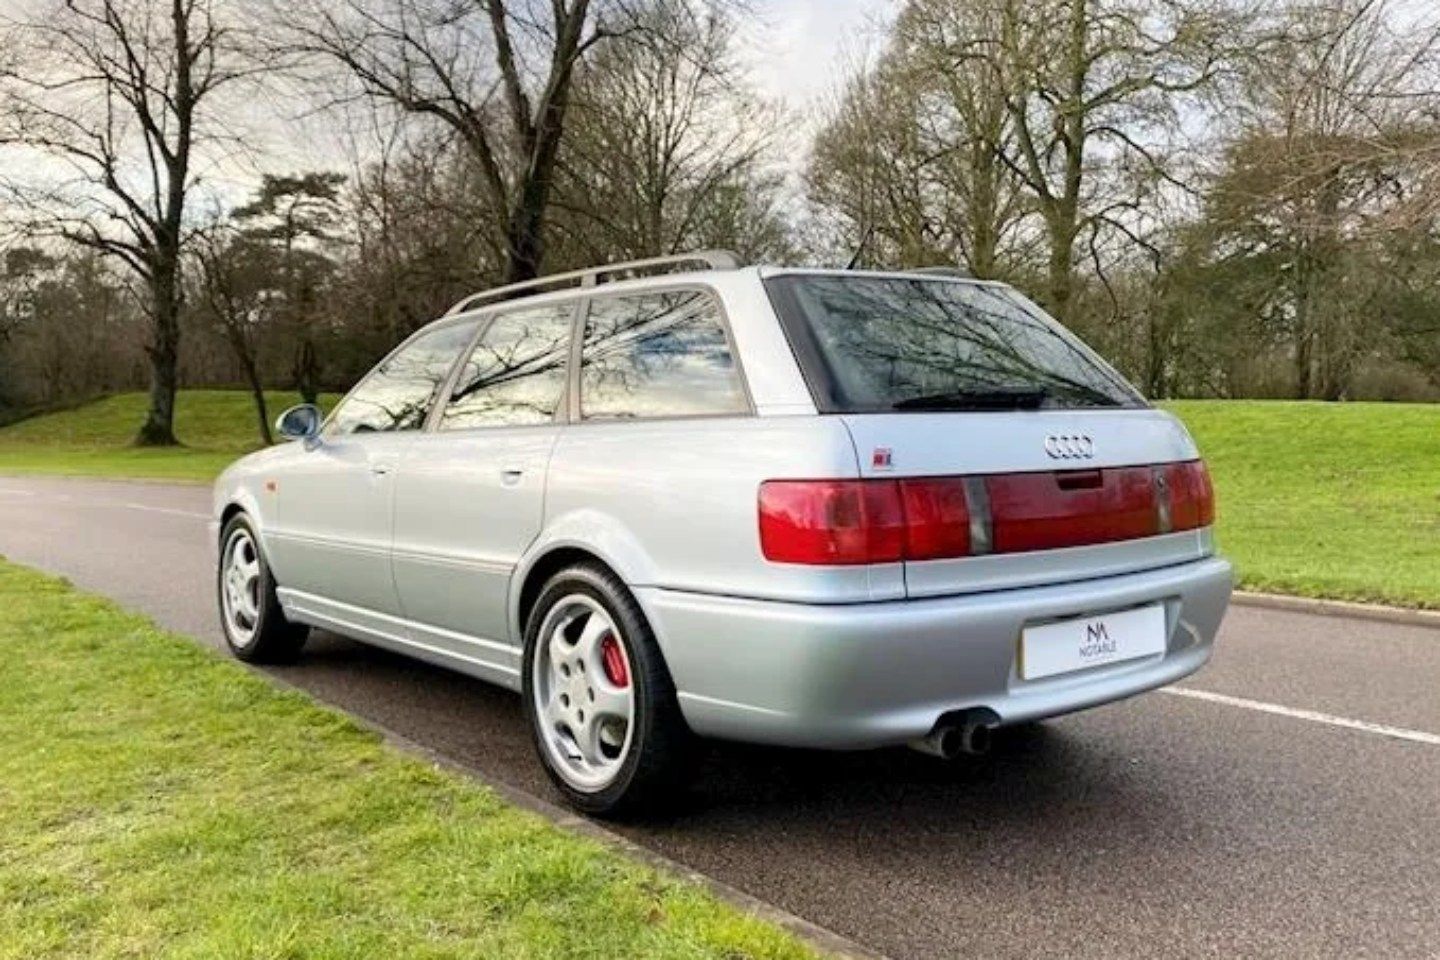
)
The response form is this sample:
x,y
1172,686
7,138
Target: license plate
x,y
1070,645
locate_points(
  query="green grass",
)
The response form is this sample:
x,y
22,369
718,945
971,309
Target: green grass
x,y
214,427
159,801
1326,500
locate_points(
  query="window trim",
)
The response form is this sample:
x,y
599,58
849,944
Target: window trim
x,y
487,318
326,432
574,408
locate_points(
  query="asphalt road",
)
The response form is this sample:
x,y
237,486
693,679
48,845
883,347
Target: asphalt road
x,y
1296,813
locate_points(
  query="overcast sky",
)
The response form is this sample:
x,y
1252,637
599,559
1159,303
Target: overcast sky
x,y
795,46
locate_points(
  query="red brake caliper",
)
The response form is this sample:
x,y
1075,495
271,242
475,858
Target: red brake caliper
x,y
614,659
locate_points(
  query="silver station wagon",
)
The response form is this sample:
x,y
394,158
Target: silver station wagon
x,y
686,498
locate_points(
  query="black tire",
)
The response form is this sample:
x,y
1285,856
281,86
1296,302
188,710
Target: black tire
x,y
274,639
662,750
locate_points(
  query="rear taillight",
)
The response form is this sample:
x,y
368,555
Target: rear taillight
x,y
831,521
937,518
1192,498
846,522
1045,511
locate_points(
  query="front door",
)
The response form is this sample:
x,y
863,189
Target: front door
x,y
334,502
470,494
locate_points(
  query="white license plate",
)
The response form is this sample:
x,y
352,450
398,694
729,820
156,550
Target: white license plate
x,y
1070,645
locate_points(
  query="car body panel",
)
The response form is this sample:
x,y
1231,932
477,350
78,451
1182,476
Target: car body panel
x,y
432,555
468,505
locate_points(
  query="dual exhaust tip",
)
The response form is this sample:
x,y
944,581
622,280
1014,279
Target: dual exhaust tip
x,y
970,735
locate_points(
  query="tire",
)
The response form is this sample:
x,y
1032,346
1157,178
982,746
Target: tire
x,y
566,655
255,627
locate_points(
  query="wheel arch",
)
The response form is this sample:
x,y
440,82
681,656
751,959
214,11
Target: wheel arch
x,y
540,569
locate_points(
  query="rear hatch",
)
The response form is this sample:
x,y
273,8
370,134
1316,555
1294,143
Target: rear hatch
x,y
984,413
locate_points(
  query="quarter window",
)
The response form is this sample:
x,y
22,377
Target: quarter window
x,y
398,394
516,373
658,355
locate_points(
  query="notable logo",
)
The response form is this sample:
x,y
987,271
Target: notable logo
x,y
1069,446
1097,641
882,459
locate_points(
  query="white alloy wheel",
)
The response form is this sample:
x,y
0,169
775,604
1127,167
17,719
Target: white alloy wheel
x,y
584,693
240,587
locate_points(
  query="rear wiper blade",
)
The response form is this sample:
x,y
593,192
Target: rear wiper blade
x,y
1021,399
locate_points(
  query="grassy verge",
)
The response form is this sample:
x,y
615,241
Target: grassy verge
x,y
156,800
1327,500
1324,500
214,427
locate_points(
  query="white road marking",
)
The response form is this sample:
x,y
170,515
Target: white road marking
x,y
169,510
18,493
1314,716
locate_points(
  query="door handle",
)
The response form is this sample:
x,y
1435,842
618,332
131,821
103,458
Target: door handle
x,y
511,476
380,469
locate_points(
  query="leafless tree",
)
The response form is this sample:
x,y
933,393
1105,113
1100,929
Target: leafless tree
x,y
230,281
664,134
1335,152
498,73
105,102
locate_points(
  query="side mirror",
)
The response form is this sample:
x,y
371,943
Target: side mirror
x,y
300,422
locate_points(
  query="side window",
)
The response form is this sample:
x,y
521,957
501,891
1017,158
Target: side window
x,y
399,393
516,373
657,355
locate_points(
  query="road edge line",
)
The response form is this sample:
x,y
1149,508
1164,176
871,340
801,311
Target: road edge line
x,y
1379,613
1312,716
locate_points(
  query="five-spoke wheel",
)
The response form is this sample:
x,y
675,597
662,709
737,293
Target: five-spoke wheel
x,y
583,692
240,586
601,704
255,627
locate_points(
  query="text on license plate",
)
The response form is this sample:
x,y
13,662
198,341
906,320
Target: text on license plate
x,y
1069,645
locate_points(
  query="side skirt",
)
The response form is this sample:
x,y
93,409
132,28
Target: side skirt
x,y
488,660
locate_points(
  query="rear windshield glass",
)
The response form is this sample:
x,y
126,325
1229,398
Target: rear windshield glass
x,y
870,344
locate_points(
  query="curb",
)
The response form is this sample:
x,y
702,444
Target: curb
x,y
826,942
1339,608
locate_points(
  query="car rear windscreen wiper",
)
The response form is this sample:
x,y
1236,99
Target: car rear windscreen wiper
x,y
1018,399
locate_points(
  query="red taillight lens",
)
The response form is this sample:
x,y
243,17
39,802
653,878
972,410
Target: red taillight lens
x,y
831,521
1192,497
1044,511
937,518
838,522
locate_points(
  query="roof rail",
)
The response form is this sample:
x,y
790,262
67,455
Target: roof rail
x,y
947,271
594,276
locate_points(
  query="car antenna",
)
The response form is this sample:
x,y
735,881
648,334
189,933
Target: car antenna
x,y
860,249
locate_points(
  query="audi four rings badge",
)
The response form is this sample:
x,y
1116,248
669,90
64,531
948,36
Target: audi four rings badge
x,y
1069,446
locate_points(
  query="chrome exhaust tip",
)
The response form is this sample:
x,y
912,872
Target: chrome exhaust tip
x,y
948,740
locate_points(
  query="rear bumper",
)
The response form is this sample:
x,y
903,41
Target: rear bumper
x,y
872,674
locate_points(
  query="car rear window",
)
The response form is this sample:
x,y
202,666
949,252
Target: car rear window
x,y
869,344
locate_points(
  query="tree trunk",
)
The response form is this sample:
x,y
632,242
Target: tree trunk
x,y
158,430
307,372
524,237
1060,275
257,390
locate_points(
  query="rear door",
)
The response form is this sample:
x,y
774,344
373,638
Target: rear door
x,y
470,493
1062,470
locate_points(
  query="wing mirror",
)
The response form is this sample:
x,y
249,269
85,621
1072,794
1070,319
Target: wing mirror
x,y
300,422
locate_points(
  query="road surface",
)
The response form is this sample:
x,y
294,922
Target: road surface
x,y
1284,802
